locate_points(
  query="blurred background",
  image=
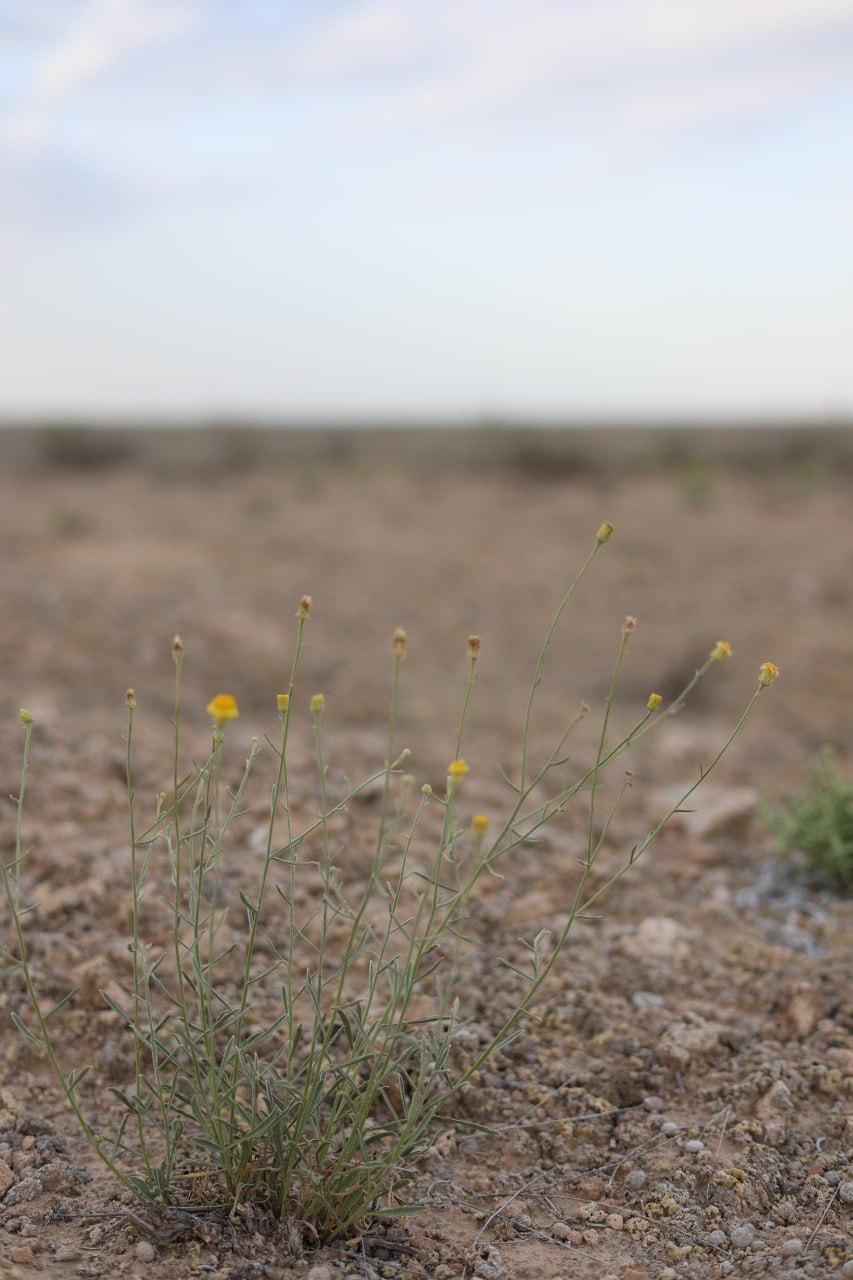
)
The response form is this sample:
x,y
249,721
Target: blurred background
x,y
393,302
384,210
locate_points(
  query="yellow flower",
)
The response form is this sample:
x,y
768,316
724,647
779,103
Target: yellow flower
x,y
605,532
457,769
223,707
318,702
722,649
282,701
26,716
654,701
479,823
769,672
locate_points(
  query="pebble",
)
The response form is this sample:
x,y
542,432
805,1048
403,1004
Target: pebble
x,y
653,1104
561,1231
694,1146
636,1179
615,1221
741,1235
145,1251
847,1269
717,1239
319,1273
66,1253
791,1248
669,1128
845,1193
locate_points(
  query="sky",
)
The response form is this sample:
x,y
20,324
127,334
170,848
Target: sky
x,y
426,208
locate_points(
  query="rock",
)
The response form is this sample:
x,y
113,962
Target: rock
x,y
772,1110
791,1248
21,1254
845,1193
669,1129
715,811
804,1010
7,1177
717,1239
561,1231
636,1179
319,1273
684,1042
591,1187
145,1251
741,1235
66,1253
658,938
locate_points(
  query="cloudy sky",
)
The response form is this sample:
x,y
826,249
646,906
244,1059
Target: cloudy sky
x,y
428,207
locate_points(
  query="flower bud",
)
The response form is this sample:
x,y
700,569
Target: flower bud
x,y
722,649
26,716
282,701
130,700
304,609
654,701
479,824
605,532
318,702
400,641
768,673
178,649
629,625
473,648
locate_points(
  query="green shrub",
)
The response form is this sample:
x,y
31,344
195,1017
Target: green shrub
x,y
817,823
308,1065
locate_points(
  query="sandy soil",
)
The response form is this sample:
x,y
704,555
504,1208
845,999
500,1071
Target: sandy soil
x,y
681,1105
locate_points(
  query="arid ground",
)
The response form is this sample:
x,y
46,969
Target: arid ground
x,y
680,1102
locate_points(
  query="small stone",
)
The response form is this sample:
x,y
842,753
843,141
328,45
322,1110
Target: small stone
x,y
66,1253
685,1041
741,1235
145,1251
7,1177
636,1179
694,1146
319,1273
591,1187
804,1010
791,1248
717,1239
615,1221
847,1269
653,1104
22,1254
845,1193
561,1231
659,938
669,1129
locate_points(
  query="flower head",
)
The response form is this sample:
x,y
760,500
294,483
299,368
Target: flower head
x,y
479,824
130,700
223,707
654,701
629,625
304,609
318,702
722,649
768,673
457,769
473,648
178,649
26,716
605,532
400,642
282,701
